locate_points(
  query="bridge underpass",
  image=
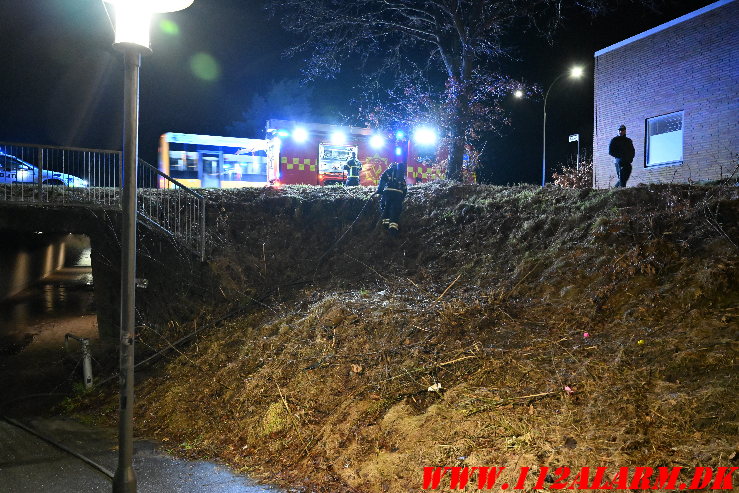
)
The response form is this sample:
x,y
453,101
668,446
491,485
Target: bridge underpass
x,y
51,192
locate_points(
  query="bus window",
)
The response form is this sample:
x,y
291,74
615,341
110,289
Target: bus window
x,y
250,167
183,164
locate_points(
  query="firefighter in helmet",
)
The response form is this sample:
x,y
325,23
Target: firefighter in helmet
x,y
353,166
392,189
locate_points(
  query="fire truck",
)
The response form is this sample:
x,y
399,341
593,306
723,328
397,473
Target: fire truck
x,y
296,153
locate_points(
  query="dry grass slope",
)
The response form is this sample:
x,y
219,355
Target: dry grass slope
x,y
559,327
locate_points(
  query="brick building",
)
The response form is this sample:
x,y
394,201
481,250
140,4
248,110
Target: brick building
x,y
676,88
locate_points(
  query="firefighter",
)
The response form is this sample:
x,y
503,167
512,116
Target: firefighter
x,y
353,166
392,189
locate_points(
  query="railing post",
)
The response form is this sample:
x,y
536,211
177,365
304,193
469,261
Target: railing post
x,y
202,229
86,357
40,173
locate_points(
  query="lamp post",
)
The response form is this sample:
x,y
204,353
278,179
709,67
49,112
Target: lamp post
x,y
132,20
574,73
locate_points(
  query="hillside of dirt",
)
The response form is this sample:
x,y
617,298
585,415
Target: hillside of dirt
x,y
503,326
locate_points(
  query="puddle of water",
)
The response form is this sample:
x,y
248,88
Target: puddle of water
x,y
63,300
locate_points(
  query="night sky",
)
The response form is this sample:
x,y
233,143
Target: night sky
x,y
62,81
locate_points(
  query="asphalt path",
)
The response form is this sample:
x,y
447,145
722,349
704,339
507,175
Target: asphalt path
x,y
31,465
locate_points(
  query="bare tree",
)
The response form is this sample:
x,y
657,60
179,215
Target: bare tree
x,y
443,55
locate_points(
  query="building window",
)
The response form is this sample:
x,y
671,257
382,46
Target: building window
x,y
665,139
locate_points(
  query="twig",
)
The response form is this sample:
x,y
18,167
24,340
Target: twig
x,y
447,289
457,360
292,419
416,285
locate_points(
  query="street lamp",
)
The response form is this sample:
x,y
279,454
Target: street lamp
x,y
133,18
574,73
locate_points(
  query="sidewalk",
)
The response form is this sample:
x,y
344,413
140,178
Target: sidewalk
x,y
31,465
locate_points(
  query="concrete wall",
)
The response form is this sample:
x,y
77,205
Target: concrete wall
x,y
26,258
690,66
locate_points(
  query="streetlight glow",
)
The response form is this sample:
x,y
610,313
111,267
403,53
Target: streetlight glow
x,y
338,138
132,26
575,73
518,94
153,6
133,18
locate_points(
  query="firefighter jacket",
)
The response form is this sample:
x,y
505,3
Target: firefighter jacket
x,y
393,180
353,167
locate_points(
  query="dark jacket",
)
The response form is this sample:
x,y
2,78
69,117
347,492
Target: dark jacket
x,y
392,180
353,167
622,148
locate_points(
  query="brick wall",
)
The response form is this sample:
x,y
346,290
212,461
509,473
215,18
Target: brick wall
x,y
693,67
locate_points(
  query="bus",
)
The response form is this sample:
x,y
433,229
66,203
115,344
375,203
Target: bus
x,y
209,161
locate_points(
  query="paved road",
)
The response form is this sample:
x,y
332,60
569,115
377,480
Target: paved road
x,y
30,465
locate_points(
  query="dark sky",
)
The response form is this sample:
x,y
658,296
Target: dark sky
x,y
62,80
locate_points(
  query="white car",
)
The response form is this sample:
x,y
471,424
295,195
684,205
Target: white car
x,y
14,170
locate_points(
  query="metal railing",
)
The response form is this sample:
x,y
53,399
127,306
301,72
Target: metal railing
x,y
168,205
30,173
73,176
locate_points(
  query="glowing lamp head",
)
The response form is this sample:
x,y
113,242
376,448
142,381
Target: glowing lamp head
x,y
153,6
518,94
133,18
377,141
576,72
300,135
398,151
338,138
399,135
424,136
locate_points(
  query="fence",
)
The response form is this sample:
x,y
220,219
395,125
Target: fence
x,y
73,176
170,206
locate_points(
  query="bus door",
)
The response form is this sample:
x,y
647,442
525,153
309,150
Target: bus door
x,y
211,166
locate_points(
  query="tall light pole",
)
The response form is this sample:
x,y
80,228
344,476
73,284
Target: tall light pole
x,y
132,22
574,73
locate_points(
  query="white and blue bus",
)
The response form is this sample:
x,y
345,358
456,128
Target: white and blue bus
x,y
209,161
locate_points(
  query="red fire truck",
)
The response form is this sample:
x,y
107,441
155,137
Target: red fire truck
x,y
315,153
295,153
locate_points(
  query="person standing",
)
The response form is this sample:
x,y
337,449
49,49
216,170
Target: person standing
x,y
622,150
393,189
353,166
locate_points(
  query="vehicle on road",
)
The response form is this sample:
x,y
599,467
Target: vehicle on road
x,y
15,170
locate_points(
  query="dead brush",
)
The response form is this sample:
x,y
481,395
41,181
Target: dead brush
x,y
600,348
578,176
